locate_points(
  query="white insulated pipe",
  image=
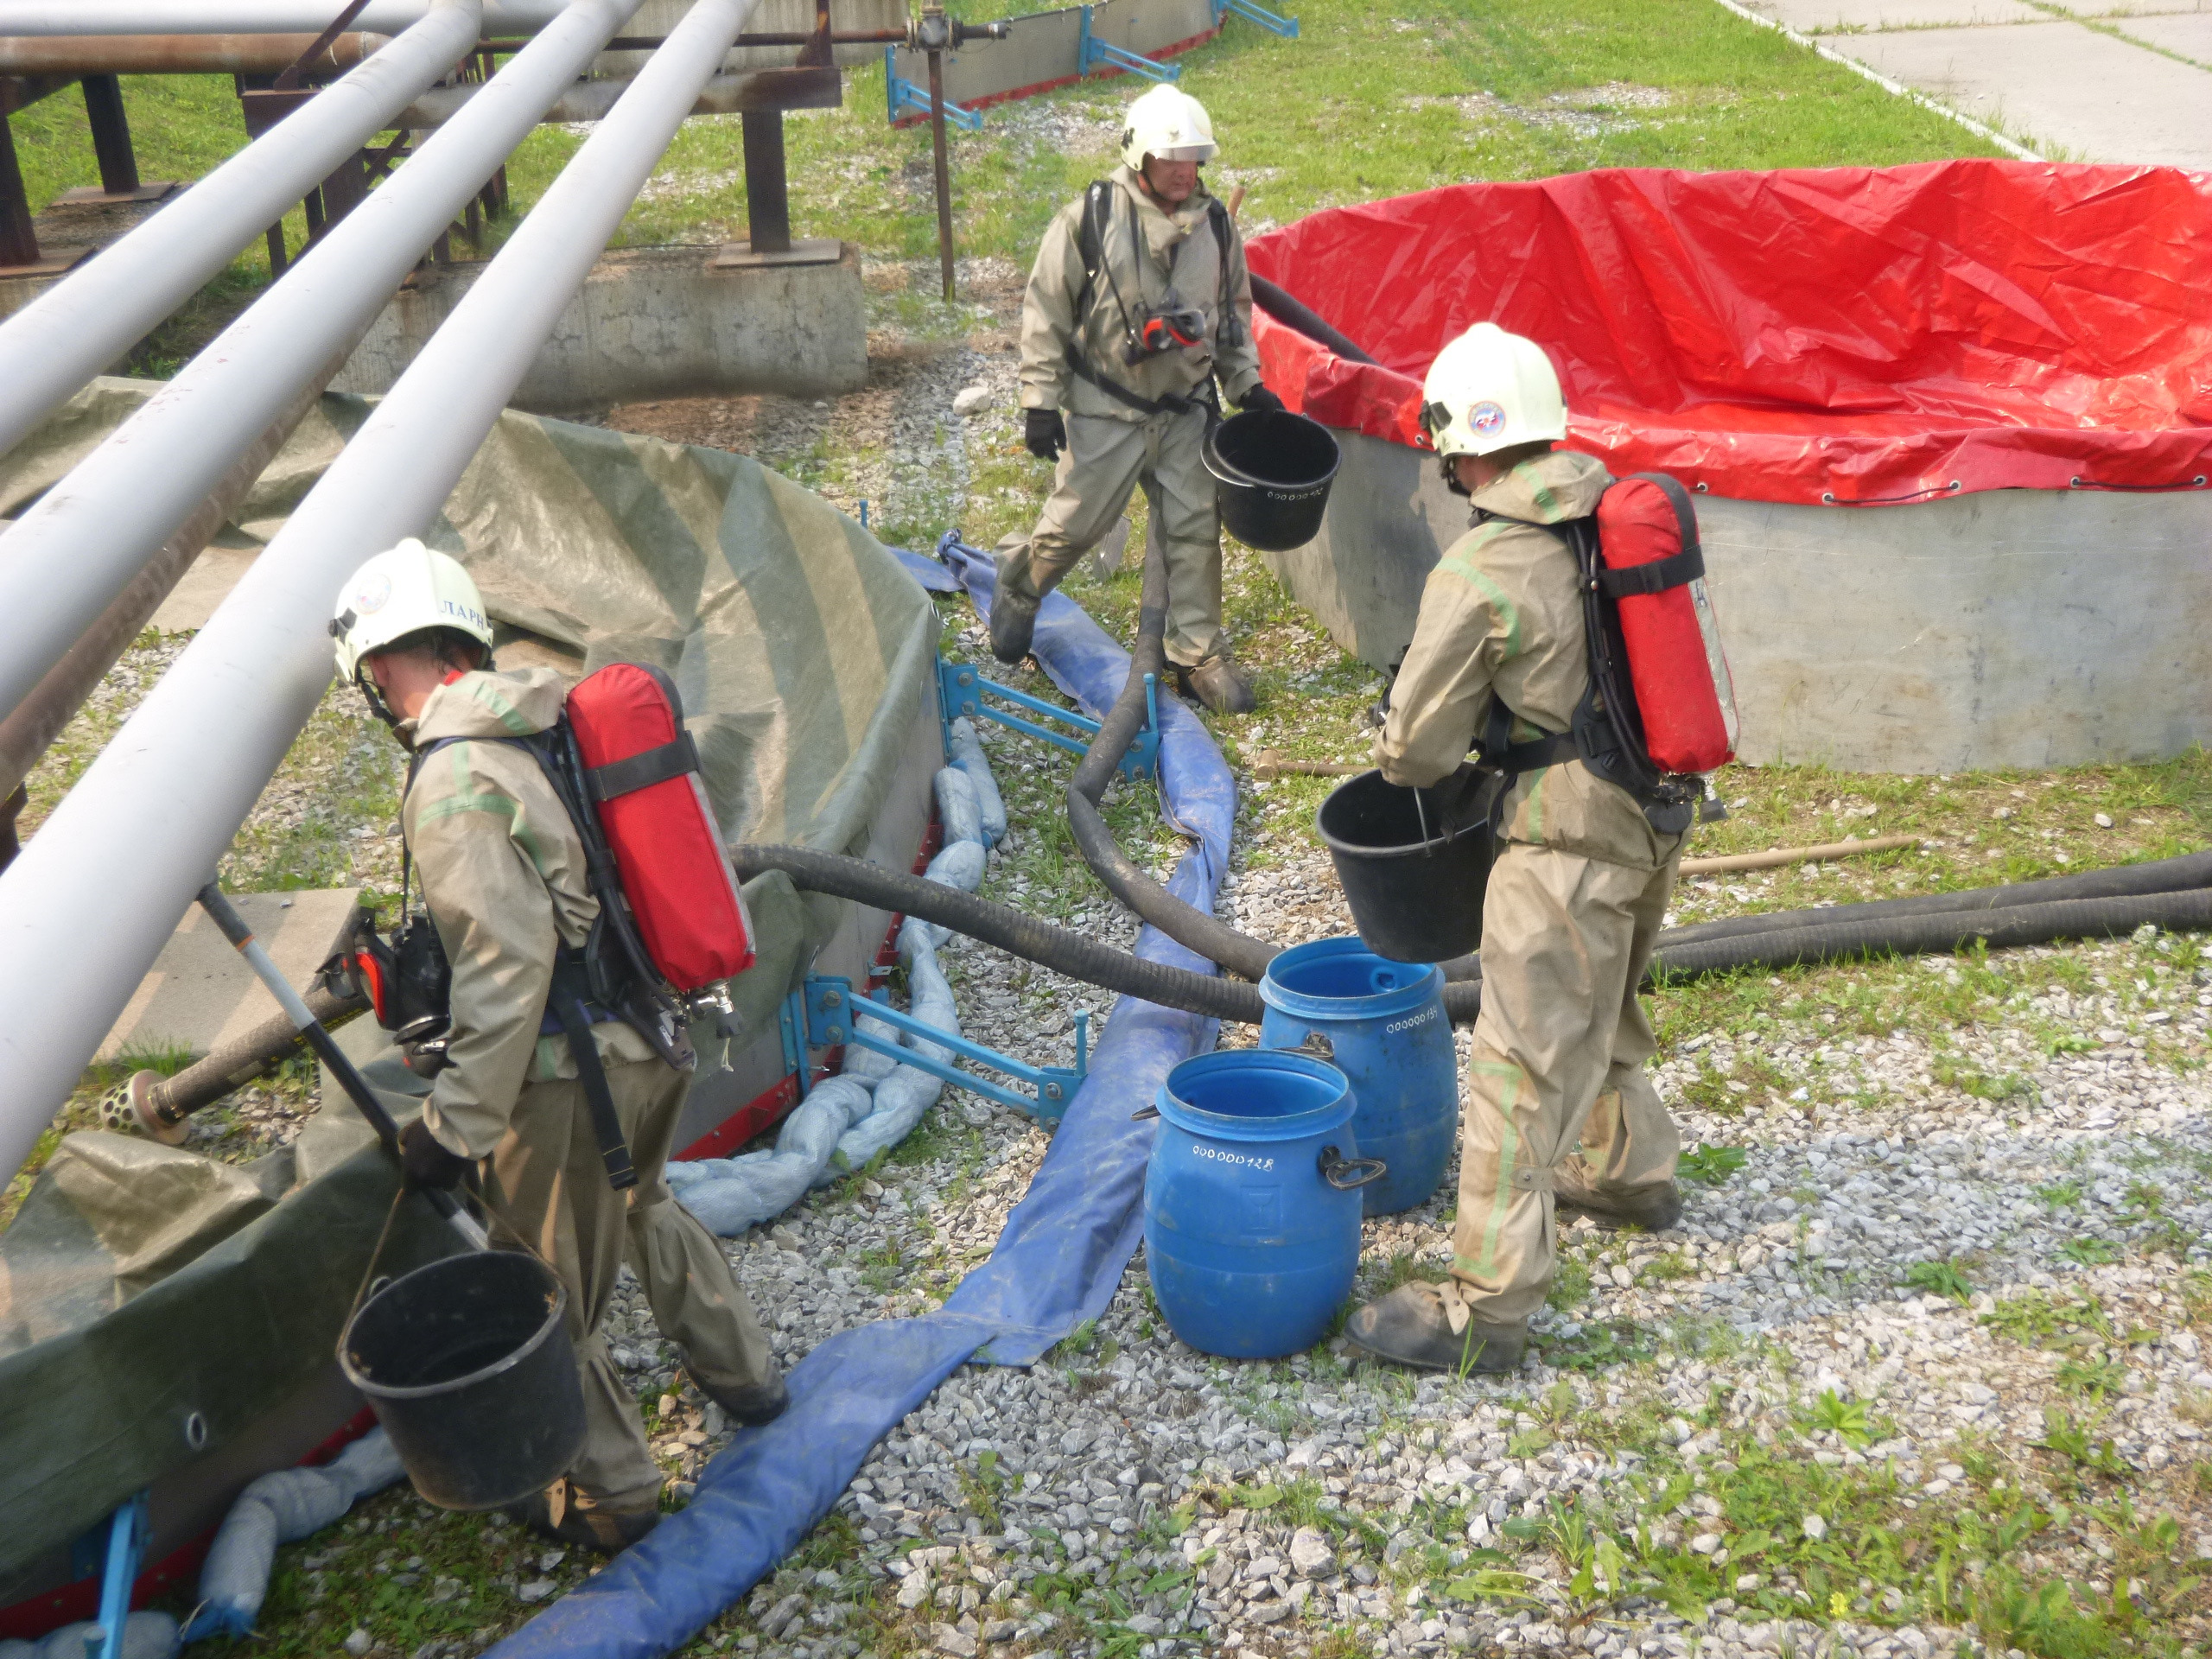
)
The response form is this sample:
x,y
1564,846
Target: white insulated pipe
x,y
89,903
69,555
503,19
73,330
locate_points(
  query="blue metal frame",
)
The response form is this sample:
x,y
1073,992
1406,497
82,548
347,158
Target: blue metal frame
x,y
1252,13
1092,53
961,687
120,1556
902,94
792,1022
830,1004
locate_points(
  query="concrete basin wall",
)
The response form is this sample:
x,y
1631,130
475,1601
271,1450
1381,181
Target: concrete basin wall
x,y
2009,628
655,322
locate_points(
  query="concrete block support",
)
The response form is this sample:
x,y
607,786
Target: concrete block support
x,y
656,323
2032,628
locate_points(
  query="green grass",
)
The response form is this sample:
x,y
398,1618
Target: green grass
x,y
183,127
1944,1278
1372,99
1564,84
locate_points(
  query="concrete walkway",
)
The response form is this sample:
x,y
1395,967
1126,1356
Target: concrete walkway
x,y
2100,81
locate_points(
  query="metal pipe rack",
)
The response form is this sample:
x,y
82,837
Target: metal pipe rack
x,y
210,735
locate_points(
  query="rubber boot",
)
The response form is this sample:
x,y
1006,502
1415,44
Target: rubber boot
x,y
1219,685
565,1515
1413,1326
751,1404
1014,619
1655,1209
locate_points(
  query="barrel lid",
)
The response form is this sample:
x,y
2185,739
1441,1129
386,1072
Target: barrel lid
x,y
1256,1094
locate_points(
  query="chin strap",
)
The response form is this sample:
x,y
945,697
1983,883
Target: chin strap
x,y
1452,477
383,710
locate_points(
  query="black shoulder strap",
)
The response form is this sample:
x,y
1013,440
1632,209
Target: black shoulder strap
x,y
1230,329
1676,568
1090,241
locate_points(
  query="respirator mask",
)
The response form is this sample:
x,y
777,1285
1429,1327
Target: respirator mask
x,y
407,981
1162,329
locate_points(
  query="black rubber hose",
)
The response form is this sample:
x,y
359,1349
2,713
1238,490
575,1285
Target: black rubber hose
x,y
1830,940
1293,314
1212,938
1064,950
2122,881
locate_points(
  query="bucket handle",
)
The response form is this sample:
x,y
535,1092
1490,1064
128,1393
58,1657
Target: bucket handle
x,y
1345,1173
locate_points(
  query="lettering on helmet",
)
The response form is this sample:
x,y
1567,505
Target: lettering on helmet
x,y
468,613
371,596
1484,418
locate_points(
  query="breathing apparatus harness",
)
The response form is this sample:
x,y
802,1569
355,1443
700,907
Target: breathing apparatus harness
x,y
1154,330
1606,732
608,977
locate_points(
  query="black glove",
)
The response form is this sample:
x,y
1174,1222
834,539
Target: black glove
x,y
1044,433
426,1160
1261,397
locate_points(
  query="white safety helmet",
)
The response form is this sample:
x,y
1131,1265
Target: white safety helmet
x,y
1489,390
404,591
1166,122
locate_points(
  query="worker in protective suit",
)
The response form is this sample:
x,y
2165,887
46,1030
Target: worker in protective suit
x,y
1561,1118
1139,301
503,877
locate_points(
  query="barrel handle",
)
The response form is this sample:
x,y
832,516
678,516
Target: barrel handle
x,y
1335,1168
1143,1112
1314,1045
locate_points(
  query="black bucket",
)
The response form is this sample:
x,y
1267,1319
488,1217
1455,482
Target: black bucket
x,y
1414,897
1271,472
470,1367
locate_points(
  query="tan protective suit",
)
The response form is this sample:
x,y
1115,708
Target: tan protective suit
x,y
502,874
1112,447
1575,901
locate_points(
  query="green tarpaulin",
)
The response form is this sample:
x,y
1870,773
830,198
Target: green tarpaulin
x,y
155,1307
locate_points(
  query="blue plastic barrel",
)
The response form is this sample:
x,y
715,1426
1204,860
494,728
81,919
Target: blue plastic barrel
x,y
1251,1202
1385,1022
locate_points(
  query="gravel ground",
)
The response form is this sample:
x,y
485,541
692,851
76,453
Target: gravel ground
x,y
1920,1366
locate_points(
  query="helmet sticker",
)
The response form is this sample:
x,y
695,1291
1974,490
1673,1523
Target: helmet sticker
x,y
371,596
1487,418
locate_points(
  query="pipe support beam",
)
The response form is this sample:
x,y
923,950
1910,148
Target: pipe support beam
x,y
502,18
87,537
178,54
739,93
58,342
135,840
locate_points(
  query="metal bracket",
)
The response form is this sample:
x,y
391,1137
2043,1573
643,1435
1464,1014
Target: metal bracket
x,y
124,1550
830,1007
903,95
1092,53
791,1020
1286,27
961,687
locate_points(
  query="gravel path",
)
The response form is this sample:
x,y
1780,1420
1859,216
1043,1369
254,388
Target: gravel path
x,y
1130,1496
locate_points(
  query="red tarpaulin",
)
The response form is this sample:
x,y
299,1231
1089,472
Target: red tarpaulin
x,y
1854,333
